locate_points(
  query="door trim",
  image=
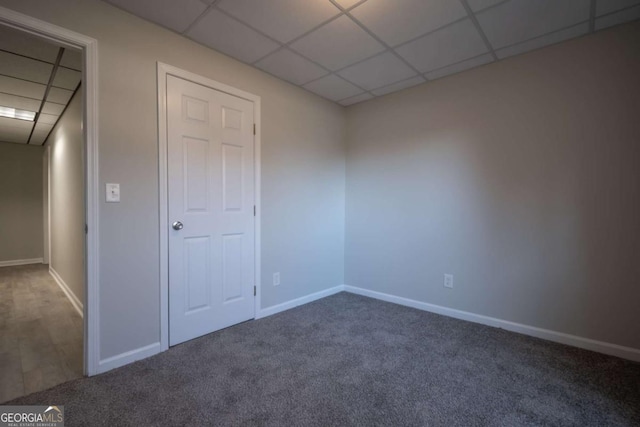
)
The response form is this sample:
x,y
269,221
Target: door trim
x,y
165,70
89,46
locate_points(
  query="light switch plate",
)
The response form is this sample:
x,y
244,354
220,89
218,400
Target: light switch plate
x,y
113,193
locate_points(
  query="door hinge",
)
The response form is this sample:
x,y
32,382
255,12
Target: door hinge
x,y
254,128
254,291
86,229
254,210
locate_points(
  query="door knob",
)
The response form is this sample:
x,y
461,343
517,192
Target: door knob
x,y
177,225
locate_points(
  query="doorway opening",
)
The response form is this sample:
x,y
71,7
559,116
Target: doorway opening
x,y
48,94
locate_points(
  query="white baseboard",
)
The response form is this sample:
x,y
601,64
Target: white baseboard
x,y
77,304
298,301
128,357
20,262
559,337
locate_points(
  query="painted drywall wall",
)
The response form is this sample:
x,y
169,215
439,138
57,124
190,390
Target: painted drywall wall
x,y
302,169
520,178
21,232
66,191
45,206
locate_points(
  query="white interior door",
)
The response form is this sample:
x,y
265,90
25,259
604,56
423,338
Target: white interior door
x,y
211,209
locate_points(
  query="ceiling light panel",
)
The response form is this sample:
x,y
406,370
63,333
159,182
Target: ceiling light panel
x,y
378,71
23,88
176,15
17,41
283,20
333,88
13,65
14,113
519,20
229,36
444,47
338,44
397,21
291,67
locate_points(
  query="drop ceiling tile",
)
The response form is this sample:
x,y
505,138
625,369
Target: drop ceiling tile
x,y
333,88
59,96
229,36
347,3
460,66
545,40
283,20
51,108
21,88
478,5
397,21
20,42
621,17
19,102
49,119
24,68
355,99
338,44
378,71
444,47
72,58
67,79
520,20
413,81
176,15
607,6
12,130
38,138
43,127
291,67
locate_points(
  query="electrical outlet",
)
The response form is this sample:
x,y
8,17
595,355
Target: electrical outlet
x,y
448,281
276,279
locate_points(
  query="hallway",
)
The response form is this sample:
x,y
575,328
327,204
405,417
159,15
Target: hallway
x,y
41,334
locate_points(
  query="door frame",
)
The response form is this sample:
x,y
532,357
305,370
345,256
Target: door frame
x,y
165,70
89,47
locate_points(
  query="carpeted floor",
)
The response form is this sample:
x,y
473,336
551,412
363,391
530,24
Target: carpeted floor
x,y
350,360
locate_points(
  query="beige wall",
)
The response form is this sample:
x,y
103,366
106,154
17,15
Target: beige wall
x,y
521,178
67,210
302,169
21,233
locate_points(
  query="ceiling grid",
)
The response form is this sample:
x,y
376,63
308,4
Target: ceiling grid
x,y
350,51
37,80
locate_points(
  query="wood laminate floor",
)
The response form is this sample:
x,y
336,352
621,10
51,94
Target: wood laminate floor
x,y
40,332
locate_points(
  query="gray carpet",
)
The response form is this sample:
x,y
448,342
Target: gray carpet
x,y
350,360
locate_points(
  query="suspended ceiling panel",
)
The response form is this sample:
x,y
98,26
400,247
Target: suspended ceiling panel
x,y
35,76
350,51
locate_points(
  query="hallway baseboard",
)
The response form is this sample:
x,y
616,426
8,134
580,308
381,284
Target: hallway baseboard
x,y
77,304
11,263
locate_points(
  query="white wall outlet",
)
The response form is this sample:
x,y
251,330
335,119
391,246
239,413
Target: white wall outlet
x,y
448,281
113,193
276,279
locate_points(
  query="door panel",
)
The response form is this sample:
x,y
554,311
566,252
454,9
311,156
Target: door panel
x,y
211,192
